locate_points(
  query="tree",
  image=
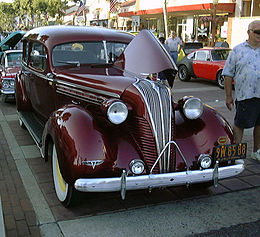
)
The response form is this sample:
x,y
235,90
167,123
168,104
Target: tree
x,y
7,20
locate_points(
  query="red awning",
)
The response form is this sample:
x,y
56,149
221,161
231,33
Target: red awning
x,y
221,7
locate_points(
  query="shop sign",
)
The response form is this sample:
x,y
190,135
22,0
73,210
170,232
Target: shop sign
x,y
136,20
202,32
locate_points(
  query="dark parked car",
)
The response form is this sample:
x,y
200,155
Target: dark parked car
x,y
206,63
10,65
87,99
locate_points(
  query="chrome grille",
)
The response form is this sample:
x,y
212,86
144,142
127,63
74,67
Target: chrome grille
x,y
157,98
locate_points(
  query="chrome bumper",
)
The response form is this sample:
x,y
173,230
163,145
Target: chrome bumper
x,y
7,92
156,180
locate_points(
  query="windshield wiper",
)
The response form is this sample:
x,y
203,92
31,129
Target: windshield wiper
x,y
101,64
73,63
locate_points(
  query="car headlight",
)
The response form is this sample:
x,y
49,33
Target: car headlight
x,y
137,166
6,84
204,161
117,112
193,108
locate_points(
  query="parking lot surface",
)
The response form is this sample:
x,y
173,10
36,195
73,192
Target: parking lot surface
x,y
30,206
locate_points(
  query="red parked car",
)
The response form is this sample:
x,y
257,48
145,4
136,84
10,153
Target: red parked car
x,y
206,63
87,99
10,65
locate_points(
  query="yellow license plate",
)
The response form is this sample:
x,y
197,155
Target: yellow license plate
x,y
230,152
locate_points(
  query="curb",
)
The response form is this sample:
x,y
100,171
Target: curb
x,y
2,224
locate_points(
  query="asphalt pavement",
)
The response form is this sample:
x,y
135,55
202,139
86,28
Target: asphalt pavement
x,y
29,207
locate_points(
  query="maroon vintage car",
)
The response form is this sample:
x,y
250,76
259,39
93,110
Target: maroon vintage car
x,y
86,97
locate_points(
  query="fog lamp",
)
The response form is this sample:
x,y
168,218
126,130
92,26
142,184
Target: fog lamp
x,y
204,161
137,166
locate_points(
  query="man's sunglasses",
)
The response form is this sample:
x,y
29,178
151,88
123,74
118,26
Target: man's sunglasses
x,y
256,31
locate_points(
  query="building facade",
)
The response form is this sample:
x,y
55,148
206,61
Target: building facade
x,y
187,18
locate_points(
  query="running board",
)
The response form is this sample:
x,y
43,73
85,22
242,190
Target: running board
x,y
33,125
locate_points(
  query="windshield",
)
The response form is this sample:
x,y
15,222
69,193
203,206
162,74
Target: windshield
x,y
78,53
218,55
14,59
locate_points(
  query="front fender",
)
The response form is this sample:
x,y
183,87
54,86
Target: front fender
x,y
201,135
85,147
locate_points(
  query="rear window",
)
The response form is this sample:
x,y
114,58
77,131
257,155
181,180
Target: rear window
x,y
219,55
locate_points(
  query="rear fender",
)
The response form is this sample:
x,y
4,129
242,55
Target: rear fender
x,y
201,135
84,147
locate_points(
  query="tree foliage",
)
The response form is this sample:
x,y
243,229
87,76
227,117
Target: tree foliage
x,y
26,14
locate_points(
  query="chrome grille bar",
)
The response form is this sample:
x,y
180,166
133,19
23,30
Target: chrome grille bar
x,y
156,95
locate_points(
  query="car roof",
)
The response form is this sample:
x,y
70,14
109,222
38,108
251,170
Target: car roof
x,y
53,35
213,48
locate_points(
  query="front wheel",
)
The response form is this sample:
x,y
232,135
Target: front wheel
x,y
65,192
183,73
220,80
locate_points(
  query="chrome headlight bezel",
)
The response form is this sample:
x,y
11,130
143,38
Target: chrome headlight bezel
x,y
193,108
137,166
7,83
117,112
205,161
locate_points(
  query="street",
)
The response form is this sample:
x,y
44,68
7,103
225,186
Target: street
x,y
231,209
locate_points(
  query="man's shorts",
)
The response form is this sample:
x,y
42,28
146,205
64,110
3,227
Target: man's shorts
x,y
247,113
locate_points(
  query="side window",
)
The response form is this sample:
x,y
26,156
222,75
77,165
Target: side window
x,y
38,56
191,56
202,56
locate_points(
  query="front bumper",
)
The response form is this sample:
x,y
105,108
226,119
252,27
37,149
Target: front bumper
x,y
156,180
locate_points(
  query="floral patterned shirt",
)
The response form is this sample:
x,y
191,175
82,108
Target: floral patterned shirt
x,y
243,65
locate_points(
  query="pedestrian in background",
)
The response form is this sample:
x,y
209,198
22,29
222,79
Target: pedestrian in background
x,y
166,75
174,44
243,66
162,40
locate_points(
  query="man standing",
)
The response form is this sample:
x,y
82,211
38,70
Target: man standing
x,y
174,44
243,67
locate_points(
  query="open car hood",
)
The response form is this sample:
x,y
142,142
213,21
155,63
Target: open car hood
x,y
145,55
11,40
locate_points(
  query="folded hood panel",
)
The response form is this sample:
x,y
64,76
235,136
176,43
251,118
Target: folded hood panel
x,y
145,54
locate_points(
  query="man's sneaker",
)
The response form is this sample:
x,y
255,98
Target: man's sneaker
x,y
256,155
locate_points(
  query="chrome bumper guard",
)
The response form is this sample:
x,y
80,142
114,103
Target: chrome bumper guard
x,y
156,180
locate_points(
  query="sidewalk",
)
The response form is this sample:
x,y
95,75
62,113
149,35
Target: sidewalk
x,y
18,214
